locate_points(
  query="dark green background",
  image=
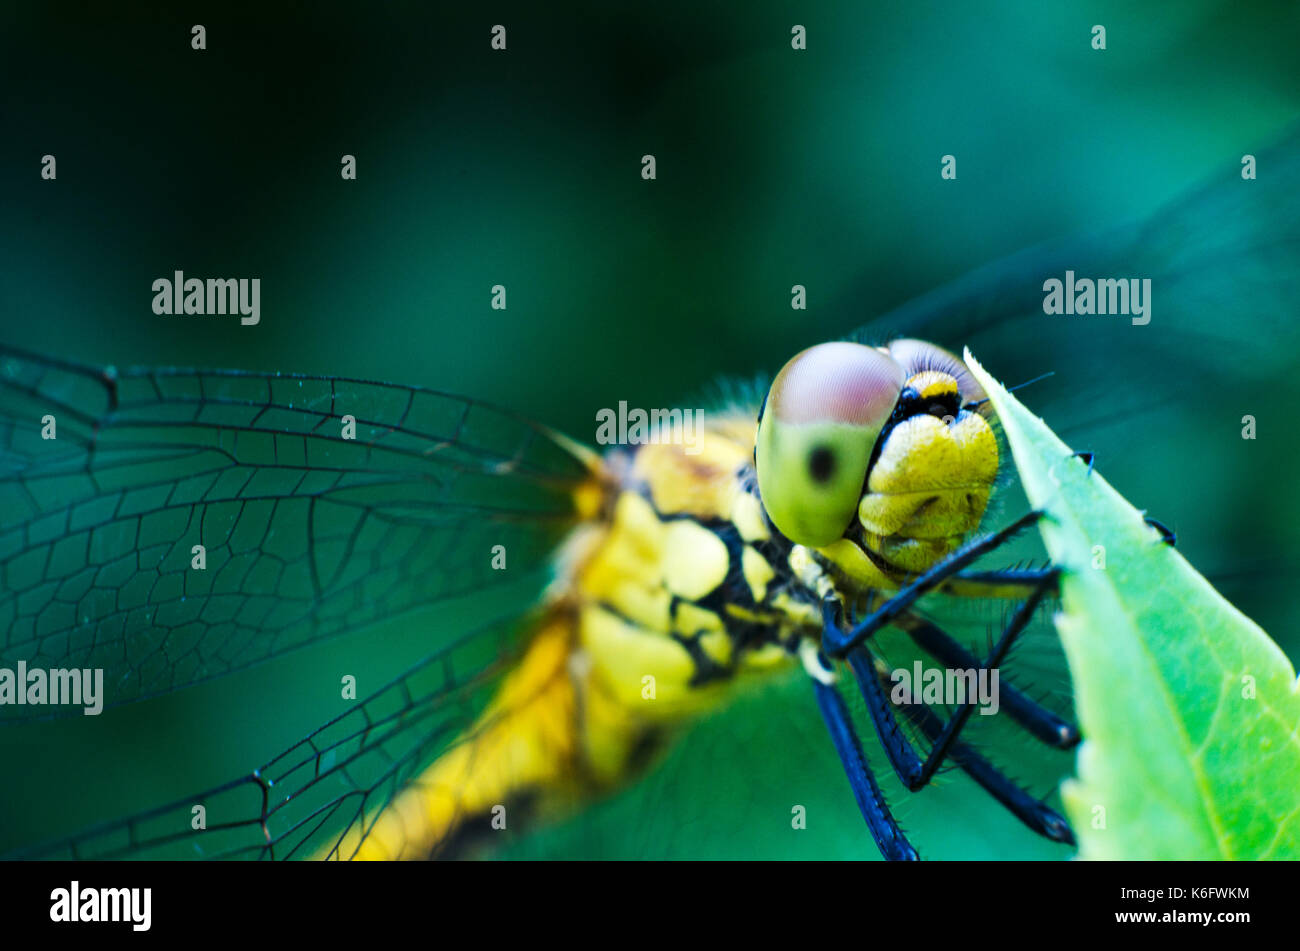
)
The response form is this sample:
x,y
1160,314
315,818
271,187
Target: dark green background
x,y
522,168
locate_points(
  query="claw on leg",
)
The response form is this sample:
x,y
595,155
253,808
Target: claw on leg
x,y
1166,533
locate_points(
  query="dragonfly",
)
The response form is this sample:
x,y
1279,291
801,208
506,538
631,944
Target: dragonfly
x,y
170,527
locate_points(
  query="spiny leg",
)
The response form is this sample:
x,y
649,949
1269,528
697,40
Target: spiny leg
x,y
1009,583
911,769
1035,814
1033,716
883,826
838,643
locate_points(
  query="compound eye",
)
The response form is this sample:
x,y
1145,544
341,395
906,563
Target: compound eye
x,y
822,417
918,356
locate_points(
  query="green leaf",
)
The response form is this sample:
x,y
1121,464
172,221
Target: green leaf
x,y
1190,712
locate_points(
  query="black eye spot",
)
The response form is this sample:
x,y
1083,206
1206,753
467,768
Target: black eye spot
x,y
821,464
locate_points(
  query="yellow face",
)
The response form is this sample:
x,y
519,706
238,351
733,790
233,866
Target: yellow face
x,y
886,449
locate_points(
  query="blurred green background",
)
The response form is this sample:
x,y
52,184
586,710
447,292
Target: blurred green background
x,y
522,168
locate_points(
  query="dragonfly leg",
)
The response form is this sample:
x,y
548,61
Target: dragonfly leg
x,y
838,643
1035,814
1167,534
884,827
1087,457
1007,584
1033,716
912,770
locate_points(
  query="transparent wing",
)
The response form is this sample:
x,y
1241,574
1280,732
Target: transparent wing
x,y
110,482
1224,267
324,792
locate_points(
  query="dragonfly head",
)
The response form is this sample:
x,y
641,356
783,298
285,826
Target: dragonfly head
x,y
887,446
